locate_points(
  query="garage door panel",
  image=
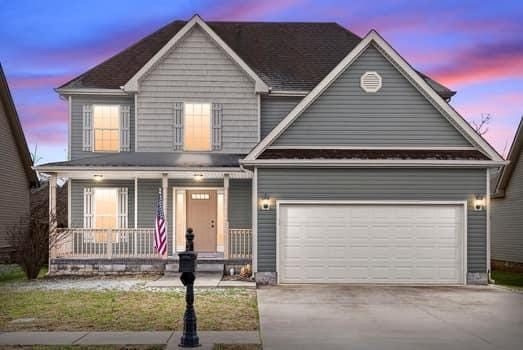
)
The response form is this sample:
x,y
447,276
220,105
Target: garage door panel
x,y
370,243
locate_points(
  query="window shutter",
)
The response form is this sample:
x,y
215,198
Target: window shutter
x,y
178,126
122,207
125,120
87,113
217,126
88,208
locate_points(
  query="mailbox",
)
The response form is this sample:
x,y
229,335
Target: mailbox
x,y
187,266
187,262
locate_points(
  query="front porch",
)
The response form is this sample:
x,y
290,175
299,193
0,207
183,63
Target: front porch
x,y
111,218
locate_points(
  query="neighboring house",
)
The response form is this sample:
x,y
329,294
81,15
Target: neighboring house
x,y
318,155
16,171
507,210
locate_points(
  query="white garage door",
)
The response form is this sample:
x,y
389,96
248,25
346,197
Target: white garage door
x,y
369,243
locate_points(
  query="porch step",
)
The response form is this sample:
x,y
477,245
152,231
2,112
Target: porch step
x,y
203,266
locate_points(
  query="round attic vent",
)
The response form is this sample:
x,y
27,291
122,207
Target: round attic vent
x,y
370,82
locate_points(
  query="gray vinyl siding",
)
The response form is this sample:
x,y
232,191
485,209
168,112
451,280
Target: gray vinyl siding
x,y
197,70
15,191
240,204
372,184
274,109
77,120
507,219
396,116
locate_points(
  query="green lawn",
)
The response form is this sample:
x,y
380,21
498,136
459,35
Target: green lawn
x,y
83,347
54,310
12,273
512,279
123,347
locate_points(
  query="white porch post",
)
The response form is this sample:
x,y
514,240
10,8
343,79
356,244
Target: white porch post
x,y
135,215
226,215
52,216
165,185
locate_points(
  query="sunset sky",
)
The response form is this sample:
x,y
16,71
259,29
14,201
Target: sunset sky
x,y
474,47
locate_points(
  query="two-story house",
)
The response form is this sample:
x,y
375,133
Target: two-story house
x,y
318,155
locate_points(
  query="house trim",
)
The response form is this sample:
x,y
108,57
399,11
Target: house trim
x,y
373,37
370,163
132,84
219,191
254,221
289,93
70,119
136,122
513,155
464,148
487,213
91,91
377,202
69,214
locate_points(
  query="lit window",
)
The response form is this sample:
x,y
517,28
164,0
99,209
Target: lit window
x,y
197,127
106,207
200,196
105,212
106,125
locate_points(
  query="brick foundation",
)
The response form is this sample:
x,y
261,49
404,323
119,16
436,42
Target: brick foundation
x,y
266,278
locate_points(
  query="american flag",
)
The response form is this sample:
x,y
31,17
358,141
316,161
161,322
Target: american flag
x,y
160,232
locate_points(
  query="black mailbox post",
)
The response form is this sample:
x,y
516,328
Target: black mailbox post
x,y
187,266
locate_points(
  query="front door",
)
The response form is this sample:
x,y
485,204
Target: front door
x,y
201,217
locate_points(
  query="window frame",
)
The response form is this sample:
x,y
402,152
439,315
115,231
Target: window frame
x,y
185,125
119,129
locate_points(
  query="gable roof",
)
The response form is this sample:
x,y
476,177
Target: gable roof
x,y
16,128
374,38
287,56
132,84
513,157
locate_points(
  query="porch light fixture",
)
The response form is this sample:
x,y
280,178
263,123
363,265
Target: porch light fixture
x,y
265,202
198,177
479,203
98,177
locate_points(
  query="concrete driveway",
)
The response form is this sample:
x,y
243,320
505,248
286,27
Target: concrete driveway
x,y
379,317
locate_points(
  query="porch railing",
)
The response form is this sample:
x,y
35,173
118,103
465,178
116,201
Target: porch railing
x,y
129,243
104,243
240,243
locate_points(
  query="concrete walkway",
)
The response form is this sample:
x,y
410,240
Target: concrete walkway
x,y
207,338
379,317
203,280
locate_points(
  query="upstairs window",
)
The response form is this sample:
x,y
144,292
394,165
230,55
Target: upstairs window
x,y
197,127
106,128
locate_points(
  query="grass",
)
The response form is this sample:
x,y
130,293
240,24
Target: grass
x,y
54,310
125,347
13,273
237,347
82,347
512,279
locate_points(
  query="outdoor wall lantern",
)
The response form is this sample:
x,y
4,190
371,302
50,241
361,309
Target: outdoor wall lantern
x,y
198,177
479,203
265,202
98,177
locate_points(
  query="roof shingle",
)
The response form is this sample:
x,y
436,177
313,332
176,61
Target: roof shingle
x,y
287,56
372,154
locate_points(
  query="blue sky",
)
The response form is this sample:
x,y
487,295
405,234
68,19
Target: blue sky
x,y
473,47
